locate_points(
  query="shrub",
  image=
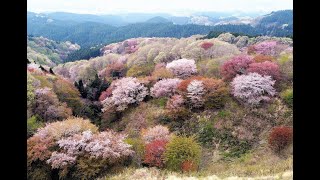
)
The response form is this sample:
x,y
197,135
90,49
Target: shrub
x,y
287,97
262,58
127,91
179,150
217,98
182,68
237,65
206,133
266,68
253,88
33,123
154,152
206,45
138,146
165,87
280,138
156,133
195,93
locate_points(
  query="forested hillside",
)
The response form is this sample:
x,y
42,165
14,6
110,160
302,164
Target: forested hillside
x,y
90,33
163,108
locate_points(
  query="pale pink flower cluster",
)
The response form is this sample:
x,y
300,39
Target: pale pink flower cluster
x,y
182,67
175,102
60,160
195,93
266,48
165,87
127,91
253,88
156,133
107,144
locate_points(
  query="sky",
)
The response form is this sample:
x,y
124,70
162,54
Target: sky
x,y
156,6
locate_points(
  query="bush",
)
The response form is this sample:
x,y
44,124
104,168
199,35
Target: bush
x,y
266,68
182,68
33,124
127,91
217,98
188,166
138,146
287,97
236,65
280,138
116,69
165,87
253,88
206,133
154,152
183,85
156,133
179,150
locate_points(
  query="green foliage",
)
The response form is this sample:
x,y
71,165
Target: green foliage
x,y
206,133
30,89
287,97
216,99
33,123
138,146
232,147
89,168
179,150
161,102
140,70
84,53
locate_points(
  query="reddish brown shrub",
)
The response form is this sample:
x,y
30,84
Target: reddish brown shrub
x,y
266,68
251,50
236,65
115,70
153,153
206,45
262,58
280,138
188,166
184,84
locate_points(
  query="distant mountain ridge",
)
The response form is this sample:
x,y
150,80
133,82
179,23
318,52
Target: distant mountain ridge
x,y
88,30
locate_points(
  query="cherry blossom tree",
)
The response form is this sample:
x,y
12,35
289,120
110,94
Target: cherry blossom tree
x,y
253,88
236,65
165,87
182,68
158,132
195,93
127,91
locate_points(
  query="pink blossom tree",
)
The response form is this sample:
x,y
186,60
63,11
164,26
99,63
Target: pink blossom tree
x,y
182,68
236,65
127,91
165,87
156,133
253,88
195,93
266,48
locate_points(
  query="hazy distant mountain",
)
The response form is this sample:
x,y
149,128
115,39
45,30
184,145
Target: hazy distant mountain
x,y
88,30
158,19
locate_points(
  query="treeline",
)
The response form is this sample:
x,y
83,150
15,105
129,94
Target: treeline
x,y
89,34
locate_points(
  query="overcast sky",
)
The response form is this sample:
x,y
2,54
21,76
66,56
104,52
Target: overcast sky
x,y
152,6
